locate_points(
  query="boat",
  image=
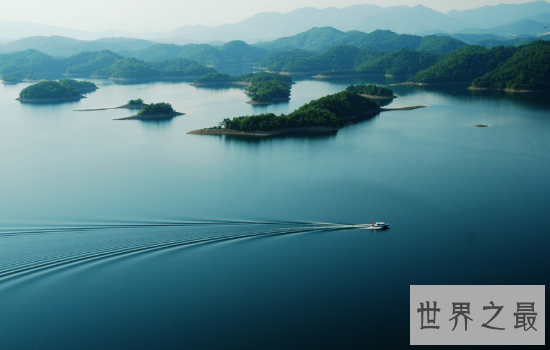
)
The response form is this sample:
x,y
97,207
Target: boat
x,y
381,224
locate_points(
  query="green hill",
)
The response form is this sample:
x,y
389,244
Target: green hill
x,y
60,46
464,65
401,62
322,112
180,67
63,89
234,52
527,69
321,39
89,62
347,59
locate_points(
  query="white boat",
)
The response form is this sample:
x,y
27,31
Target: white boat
x,y
381,224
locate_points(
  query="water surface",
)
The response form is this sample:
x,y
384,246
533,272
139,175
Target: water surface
x,y
120,234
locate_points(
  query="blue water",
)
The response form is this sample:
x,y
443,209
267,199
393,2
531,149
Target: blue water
x,y
131,234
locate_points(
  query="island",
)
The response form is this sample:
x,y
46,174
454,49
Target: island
x,y
264,88
154,111
372,91
55,91
328,113
132,104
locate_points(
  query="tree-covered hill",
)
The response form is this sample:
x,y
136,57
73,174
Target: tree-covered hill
x,y
234,52
321,39
89,62
59,46
372,90
464,65
347,59
325,111
82,86
180,67
275,61
130,68
528,68
30,61
16,66
63,89
401,62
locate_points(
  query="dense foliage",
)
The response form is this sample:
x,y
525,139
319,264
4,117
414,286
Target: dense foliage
x,y
135,102
348,59
322,112
216,78
268,90
89,62
49,90
373,90
157,108
401,62
321,39
465,64
234,52
528,68
102,63
263,86
82,86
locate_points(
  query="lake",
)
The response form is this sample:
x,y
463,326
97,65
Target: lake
x,y
133,234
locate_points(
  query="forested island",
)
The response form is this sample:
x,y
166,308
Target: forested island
x,y
154,111
56,91
264,88
372,91
328,113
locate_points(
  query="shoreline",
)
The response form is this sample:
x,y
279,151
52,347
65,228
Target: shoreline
x,y
151,116
262,133
222,83
149,79
302,129
507,90
266,103
358,75
410,83
50,100
373,97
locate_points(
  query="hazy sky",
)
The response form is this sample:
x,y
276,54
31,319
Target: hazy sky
x,y
165,15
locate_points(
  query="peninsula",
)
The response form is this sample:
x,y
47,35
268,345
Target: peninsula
x,y
55,91
154,111
328,113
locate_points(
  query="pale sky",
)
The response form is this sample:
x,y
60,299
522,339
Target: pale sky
x,y
165,15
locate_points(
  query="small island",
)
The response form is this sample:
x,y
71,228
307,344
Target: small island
x,y
372,91
154,111
264,88
56,91
328,113
132,104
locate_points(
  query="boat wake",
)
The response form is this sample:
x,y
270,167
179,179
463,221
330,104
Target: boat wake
x,y
55,248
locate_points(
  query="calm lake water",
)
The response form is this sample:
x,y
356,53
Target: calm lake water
x,y
132,234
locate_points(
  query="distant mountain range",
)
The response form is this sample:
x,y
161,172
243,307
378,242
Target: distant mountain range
x,y
506,20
